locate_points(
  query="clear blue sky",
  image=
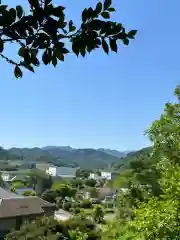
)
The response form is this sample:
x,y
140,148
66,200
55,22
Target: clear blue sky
x,y
98,101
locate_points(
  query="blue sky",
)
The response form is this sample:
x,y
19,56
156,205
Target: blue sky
x,y
98,101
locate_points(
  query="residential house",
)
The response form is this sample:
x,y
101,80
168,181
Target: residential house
x,y
64,172
16,209
95,176
104,175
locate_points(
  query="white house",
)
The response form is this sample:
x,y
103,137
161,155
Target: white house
x,y
95,176
106,175
64,172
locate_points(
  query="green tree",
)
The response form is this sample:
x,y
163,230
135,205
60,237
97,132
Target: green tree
x,y
158,217
44,34
39,180
65,190
98,214
90,182
49,196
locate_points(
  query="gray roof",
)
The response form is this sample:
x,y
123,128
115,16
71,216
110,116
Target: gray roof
x,y
66,171
8,194
12,205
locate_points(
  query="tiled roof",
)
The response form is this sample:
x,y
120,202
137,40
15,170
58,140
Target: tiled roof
x,y
12,205
17,207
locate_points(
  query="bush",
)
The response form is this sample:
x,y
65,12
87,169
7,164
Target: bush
x,y
49,196
86,204
109,210
66,206
29,193
76,210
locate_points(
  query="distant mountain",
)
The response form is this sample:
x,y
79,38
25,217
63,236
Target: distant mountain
x,y
113,152
68,156
87,158
65,156
131,156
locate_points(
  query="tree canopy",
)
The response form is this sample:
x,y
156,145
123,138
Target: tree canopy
x,y
43,34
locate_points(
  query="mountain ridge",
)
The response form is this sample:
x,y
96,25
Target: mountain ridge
x,y
65,155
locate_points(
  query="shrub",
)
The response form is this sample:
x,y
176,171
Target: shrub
x,y
66,206
29,193
86,204
76,210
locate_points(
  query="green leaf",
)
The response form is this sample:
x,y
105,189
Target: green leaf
x,y
64,50
126,41
96,24
19,11
47,2
29,67
113,45
83,51
75,48
105,15
34,3
98,7
107,4
45,58
3,8
58,11
111,9
132,34
105,46
60,56
71,26
11,15
84,15
1,46
22,51
17,72
54,60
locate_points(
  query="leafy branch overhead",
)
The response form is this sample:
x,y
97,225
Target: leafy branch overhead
x,y
43,33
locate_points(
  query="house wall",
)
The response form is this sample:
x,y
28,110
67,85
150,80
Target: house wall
x,y
7,224
52,171
11,223
106,175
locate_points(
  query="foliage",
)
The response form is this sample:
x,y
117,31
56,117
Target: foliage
x,y
44,228
39,180
90,182
82,173
158,217
13,189
86,204
65,190
49,196
29,193
18,184
84,225
98,214
93,192
43,33
76,183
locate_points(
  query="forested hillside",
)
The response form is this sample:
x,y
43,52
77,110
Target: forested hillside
x,y
86,158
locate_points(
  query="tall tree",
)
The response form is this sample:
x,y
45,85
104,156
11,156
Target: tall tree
x,y
43,34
